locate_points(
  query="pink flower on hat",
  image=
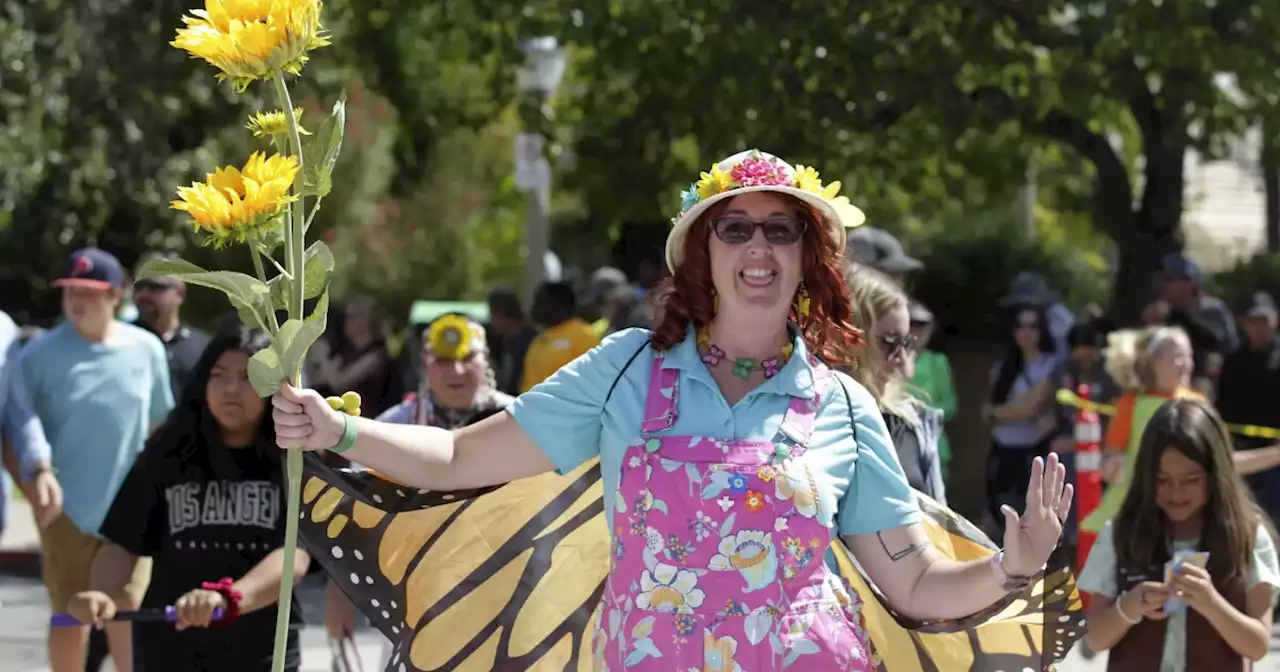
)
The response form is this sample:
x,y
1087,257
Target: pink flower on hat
x,y
758,172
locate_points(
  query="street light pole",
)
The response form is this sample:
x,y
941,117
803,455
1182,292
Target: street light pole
x,y
543,69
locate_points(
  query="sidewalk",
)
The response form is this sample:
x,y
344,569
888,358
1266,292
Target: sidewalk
x,y
19,541
24,606
24,609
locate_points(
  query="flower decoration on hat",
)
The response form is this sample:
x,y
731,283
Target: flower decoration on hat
x,y
454,337
757,170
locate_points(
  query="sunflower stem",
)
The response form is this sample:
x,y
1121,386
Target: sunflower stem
x,y
314,209
272,326
294,245
278,267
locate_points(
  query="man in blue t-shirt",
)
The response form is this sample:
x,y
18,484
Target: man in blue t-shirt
x,y
98,386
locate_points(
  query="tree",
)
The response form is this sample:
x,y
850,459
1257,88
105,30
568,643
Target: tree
x,y
441,65
943,100
103,119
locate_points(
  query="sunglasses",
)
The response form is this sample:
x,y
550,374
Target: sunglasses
x,y
896,345
152,286
777,230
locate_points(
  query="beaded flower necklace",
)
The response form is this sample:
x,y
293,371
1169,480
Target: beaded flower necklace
x,y
742,366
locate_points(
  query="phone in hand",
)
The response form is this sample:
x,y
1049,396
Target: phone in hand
x,y
1198,558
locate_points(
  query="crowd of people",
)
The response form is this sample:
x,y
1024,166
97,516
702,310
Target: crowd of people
x,y
155,475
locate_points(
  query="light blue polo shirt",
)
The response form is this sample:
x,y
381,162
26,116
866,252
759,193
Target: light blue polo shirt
x,y
97,402
861,485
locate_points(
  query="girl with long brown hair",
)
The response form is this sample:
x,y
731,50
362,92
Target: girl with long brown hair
x,y
1185,495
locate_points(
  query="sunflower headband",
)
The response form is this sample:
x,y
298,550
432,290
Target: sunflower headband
x,y
455,338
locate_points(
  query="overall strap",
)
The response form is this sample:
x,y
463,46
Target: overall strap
x,y
802,414
660,404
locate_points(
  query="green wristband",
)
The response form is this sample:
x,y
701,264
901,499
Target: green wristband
x,y
348,435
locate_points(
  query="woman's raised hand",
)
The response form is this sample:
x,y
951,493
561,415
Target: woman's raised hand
x,y
304,420
1029,539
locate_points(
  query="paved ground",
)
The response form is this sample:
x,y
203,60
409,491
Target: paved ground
x,y
24,611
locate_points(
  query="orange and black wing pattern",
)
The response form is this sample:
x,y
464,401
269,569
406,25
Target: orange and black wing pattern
x,y
1030,630
502,578
508,577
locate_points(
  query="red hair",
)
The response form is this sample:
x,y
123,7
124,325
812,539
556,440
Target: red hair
x,y
688,296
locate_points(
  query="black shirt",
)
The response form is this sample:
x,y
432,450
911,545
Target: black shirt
x,y
214,513
1247,393
184,346
510,368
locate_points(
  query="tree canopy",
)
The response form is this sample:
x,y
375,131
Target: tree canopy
x,y
943,102
930,113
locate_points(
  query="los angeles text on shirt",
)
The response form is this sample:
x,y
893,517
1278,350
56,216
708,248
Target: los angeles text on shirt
x,y
246,503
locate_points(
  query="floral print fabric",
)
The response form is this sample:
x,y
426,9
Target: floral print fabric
x,y
718,557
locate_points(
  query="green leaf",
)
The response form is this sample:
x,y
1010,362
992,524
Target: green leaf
x,y
317,264
270,239
247,293
321,153
265,372
296,337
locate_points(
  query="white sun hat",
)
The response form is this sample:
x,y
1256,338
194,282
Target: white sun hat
x,y
754,170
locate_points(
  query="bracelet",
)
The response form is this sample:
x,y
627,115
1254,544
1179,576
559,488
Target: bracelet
x,y
1010,583
348,435
226,588
1120,610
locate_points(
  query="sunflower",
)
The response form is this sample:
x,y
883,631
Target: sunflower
x,y
268,124
253,40
234,203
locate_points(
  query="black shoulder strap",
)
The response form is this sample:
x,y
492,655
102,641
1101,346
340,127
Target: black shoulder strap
x,y
848,398
624,370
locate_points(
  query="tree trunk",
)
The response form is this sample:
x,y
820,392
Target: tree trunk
x,y
1147,234
1271,182
1139,257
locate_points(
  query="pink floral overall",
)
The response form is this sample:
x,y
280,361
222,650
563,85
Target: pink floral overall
x,y
718,553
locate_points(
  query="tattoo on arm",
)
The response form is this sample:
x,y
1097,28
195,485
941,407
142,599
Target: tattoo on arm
x,y
910,550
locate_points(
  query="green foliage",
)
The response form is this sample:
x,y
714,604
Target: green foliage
x,y
102,119
925,110
320,155
1259,272
318,263
248,294
284,359
451,238
970,263
441,65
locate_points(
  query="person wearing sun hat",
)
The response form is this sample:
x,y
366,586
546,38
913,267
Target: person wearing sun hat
x,y
735,462
458,389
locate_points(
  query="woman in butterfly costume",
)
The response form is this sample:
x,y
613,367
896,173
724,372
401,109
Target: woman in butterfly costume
x,y
735,463
458,389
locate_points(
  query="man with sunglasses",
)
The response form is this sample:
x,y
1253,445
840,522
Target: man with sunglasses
x,y
159,302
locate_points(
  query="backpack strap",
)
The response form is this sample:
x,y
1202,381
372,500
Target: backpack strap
x,y
623,370
848,398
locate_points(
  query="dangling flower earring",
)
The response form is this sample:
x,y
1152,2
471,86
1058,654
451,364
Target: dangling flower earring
x,y
803,300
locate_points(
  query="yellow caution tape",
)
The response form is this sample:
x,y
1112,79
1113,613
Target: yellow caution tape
x,y
1068,398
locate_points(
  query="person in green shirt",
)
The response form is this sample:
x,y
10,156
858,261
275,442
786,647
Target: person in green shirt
x,y
932,382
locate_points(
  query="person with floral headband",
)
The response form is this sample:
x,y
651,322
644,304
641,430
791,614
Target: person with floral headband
x,y
458,389
733,457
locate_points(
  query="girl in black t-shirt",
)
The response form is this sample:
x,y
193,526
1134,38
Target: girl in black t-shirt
x,y
203,500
